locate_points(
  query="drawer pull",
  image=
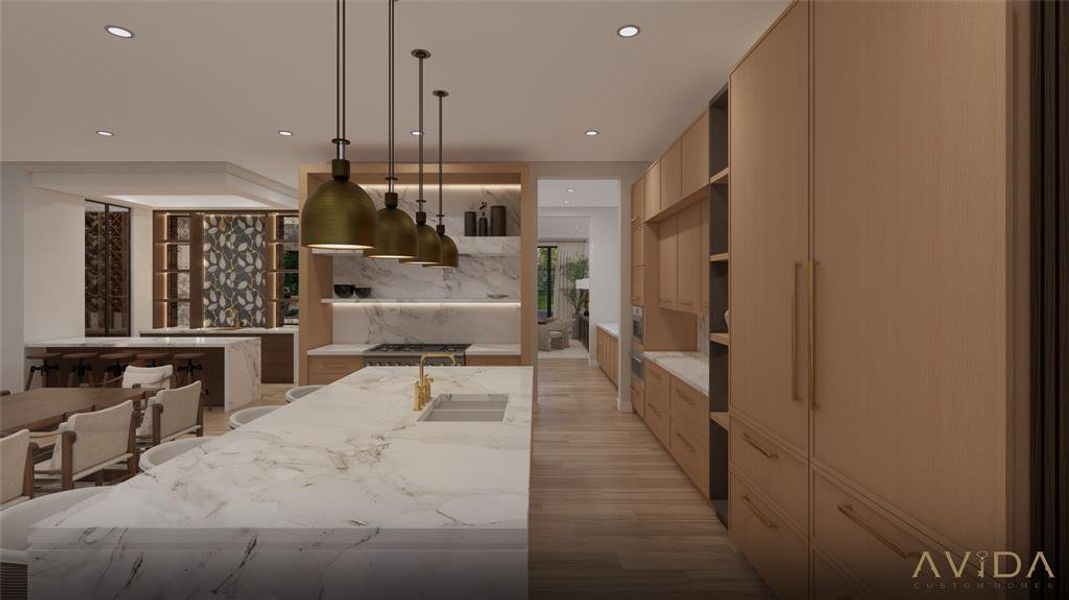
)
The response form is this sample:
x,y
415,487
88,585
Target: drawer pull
x,y
760,516
654,409
690,448
848,512
766,453
683,396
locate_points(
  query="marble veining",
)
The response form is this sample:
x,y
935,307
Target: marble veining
x,y
340,493
475,277
691,367
426,323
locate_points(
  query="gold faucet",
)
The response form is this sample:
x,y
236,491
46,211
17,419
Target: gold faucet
x,y
423,385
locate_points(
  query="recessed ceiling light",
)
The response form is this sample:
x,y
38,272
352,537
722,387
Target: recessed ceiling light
x,y
627,31
416,132
591,132
105,133
285,133
571,190
119,32
567,201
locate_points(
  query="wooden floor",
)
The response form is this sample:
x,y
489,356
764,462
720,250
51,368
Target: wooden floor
x,y
612,516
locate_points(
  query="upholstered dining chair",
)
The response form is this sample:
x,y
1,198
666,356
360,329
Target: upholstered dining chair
x,y
248,415
149,378
16,468
89,443
172,413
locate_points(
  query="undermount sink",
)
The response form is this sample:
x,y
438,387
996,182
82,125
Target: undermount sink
x,y
487,408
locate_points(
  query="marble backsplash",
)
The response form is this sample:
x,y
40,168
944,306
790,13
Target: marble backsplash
x,y
457,199
476,278
427,323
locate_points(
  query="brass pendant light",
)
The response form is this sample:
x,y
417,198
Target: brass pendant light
x,y
428,246
395,232
448,257
339,214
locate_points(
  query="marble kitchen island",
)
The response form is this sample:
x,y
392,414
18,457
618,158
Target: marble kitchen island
x,y
342,494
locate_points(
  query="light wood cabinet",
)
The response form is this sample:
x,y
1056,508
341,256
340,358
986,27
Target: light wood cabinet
x,y
638,202
638,398
703,266
768,230
652,190
328,369
671,172
608,355
679,416
689,263
694,148
667,255
777,551
494,360
638,286
638,245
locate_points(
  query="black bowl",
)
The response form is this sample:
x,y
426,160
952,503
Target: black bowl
x,y
344,290
362,292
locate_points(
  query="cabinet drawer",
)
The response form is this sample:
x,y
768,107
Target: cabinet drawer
x,y
875,546
692,455
829,582
638,397
493,360
778,474
657,386
776,551
690,411
342,365
657,421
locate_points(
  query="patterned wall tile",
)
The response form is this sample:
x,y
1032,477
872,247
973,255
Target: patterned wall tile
x,y
234,247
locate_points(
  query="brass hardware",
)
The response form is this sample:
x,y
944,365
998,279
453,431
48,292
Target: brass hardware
x,y
422,387
767,454
848,512
760,517
684,397
794,333
685,443
812,292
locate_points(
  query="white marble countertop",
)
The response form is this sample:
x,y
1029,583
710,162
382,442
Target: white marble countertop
x,y
342,490
493,350
691,367
144,342
612,328
421,301
221,331
361,349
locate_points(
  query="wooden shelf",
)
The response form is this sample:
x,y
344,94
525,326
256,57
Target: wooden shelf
x,y
719,178
719,338
171,271
722,419
721,257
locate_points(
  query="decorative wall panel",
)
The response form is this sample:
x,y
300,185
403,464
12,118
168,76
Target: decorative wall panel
x,y
234,252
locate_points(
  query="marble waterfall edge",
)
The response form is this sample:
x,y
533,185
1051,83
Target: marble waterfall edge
x,y
342,494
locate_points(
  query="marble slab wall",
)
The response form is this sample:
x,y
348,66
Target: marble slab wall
x,y
457,199
476,278
470,323
234,248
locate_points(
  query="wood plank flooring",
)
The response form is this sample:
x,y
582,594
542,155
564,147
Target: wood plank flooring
x,y
612,516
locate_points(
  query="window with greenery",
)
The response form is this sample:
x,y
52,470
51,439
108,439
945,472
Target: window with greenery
x,y
546,276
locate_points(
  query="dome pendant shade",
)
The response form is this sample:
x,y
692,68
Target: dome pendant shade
x,y
395,232
448,257
339,214
428,244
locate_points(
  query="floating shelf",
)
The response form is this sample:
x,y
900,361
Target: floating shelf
x,y
721,257
500,245
719,178
421,301
719,338
722,419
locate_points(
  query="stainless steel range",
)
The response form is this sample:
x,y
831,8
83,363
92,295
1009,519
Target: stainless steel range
x,y
407,355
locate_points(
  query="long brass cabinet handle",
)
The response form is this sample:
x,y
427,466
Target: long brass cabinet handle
x,y
848,511
757,513
683,396
767,453
812,312
795,397
685,442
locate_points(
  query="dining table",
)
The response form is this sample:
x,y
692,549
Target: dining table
x,y
44,408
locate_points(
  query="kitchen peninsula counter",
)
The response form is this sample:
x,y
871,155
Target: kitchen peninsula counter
x,y
231,372
341,494
278,346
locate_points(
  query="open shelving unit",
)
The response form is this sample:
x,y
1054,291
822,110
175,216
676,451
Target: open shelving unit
x,y
718,303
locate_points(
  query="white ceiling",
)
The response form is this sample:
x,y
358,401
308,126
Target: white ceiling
x,y
578,192
215,80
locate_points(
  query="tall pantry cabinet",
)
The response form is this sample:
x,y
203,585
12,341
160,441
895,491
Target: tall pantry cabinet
x,y
873,233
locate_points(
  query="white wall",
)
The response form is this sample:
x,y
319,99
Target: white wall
x,y
140,270
54,263
603,247
12,181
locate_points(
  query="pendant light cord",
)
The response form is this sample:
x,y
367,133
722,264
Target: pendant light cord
x,y
392,177
441,214
339,77
422,134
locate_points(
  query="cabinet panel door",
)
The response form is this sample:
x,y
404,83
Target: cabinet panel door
x,y
638,245
638,201
695,148
768,225
671,176
911,238
652,191
688,261
667,257
638,286
704,257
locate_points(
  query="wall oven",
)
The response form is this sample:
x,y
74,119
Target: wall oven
x,y
636,323
637,364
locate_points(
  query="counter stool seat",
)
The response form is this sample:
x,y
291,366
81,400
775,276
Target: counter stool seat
x,y
151,359
81,369
248,415
113,372
116,356
187,372
49,362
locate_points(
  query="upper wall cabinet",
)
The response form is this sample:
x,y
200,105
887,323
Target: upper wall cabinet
x,y
638,202
695,155
672,175
652,194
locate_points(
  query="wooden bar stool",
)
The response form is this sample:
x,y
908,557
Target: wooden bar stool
x,y
120,360
187,372
81,369
151,359
44,368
